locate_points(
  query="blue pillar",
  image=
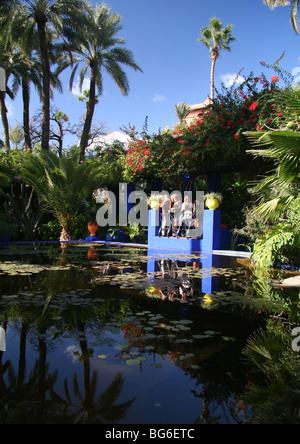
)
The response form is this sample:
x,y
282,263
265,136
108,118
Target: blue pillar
x,y
211,230
130,189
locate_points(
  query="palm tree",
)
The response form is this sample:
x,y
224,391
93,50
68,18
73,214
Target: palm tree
x,y
278,192
294,10
216,38
96,45
62,184
7,59
281,187
28,71
181,111
44,15
15,66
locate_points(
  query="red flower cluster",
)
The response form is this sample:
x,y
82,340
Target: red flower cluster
x,y
133,334
217,134
132,330
137,155
254,106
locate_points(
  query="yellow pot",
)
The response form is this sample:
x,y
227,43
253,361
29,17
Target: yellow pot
x,y
154,205
212,204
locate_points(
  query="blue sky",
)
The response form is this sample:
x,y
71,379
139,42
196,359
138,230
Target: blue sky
x,y
162,35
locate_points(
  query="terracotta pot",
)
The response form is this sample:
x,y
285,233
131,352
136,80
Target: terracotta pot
x,y
93,228
92,254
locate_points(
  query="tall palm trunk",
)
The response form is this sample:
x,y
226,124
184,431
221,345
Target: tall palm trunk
x,y
90,108
214,56
46,85
4,119
26,100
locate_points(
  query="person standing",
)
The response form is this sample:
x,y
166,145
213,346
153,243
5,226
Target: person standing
x,y
165,207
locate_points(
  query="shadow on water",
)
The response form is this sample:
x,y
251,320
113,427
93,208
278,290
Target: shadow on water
x,y
118,335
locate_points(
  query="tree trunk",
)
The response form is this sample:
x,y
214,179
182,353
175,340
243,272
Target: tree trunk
x,y
90,107
46,85
65,235
214,56
4,119
26,127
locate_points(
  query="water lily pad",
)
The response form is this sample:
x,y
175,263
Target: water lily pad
x,y
200,336
226,338
133,362
156,365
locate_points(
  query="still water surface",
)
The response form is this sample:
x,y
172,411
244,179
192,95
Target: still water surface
x,y
124,336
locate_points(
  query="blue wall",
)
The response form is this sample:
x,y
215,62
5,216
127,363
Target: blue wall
x,y
211,235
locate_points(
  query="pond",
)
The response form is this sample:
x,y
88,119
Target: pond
x,y
126,336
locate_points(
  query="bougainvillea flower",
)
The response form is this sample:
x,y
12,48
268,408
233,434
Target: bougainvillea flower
x,y
275,79
254,106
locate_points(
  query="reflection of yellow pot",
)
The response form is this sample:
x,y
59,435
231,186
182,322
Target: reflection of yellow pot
x,y
212,204
152,290
208,300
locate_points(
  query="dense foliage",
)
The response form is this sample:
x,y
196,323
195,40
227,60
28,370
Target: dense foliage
x,y
278,191
215,142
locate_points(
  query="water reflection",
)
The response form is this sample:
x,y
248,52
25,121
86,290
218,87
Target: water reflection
x,y
129,346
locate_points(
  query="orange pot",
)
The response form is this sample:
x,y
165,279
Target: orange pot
x,y
93,228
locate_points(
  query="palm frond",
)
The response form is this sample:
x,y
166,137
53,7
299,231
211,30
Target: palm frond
x,y
294,16
62,183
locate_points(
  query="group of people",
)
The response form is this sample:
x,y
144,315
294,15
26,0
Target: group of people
x,y
178,217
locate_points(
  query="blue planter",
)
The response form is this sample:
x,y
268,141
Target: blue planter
x,y
4,239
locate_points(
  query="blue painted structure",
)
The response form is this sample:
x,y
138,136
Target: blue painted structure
x,y
209,283
210,241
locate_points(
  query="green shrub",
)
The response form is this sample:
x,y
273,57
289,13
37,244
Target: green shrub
x,y
8,229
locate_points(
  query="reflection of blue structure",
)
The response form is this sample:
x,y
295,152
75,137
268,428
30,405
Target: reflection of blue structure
x,y
209,283
213,239
211,235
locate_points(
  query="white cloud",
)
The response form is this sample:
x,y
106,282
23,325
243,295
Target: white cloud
x,y
230,79
85,86
10,109
159,98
